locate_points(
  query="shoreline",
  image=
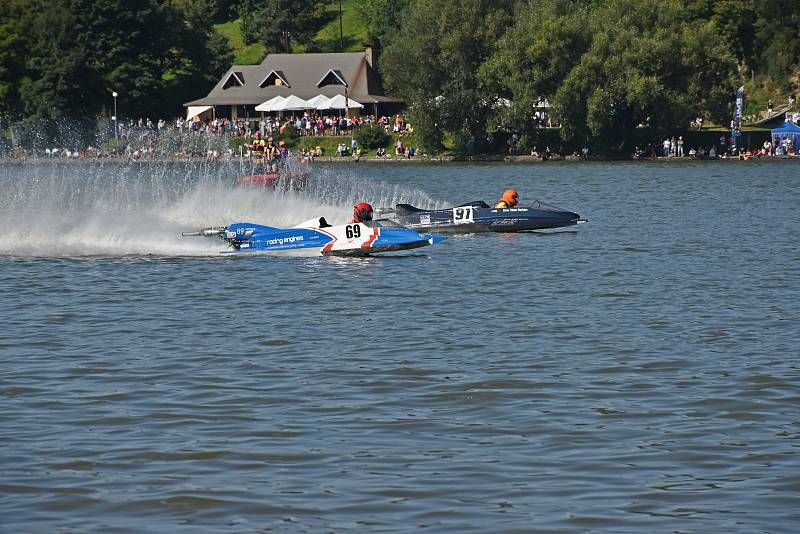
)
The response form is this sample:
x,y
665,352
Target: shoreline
x,y
375,159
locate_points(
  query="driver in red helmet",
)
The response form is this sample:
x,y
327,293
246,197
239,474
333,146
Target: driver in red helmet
x,y
362,212
509,199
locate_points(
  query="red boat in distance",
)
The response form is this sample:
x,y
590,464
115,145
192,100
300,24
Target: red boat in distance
x,y
283,180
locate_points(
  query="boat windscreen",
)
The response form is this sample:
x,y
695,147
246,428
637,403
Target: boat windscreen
x,y
542,206
475,204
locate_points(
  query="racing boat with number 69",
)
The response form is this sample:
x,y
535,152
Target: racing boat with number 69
x,y
358,239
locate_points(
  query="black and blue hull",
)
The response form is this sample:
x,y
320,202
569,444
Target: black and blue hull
x,y
479,217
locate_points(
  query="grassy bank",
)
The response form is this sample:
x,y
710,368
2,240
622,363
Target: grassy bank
x,y
243,54
354,35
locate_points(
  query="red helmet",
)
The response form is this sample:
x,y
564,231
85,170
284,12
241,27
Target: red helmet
x,y
362,212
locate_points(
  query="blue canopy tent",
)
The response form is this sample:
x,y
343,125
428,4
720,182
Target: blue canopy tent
x,y
788,130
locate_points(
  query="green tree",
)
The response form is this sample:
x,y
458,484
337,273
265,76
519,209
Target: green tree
x,y
433,63
154,53
59,81
246,9
12,52
383,18
206,53
226,9
735,21
279,23
197,14
534,57
778,40
652,67
132,45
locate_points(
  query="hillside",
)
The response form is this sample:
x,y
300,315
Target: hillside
x,y
354,34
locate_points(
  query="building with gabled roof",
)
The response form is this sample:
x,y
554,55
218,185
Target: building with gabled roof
x,y
243,87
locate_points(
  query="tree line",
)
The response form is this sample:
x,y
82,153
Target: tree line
x,y
64,58
471,71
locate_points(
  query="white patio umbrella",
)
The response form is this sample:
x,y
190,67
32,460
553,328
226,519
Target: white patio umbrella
x,y
323,104
338,102
317,100
292,103
270,104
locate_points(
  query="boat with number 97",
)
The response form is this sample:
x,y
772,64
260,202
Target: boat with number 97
x,y
477,216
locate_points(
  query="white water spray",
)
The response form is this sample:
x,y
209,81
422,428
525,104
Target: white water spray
x,y
64,209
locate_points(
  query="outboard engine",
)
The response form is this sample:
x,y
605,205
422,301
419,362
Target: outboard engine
x,y
216,231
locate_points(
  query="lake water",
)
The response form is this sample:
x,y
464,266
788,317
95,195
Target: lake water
x,y
638,373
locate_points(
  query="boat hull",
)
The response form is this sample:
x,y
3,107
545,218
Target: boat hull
x,y
343,240
478,217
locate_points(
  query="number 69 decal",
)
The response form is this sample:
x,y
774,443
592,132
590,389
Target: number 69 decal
x,y
352,230
462,215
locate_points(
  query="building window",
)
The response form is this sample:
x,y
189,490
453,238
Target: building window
x,y
276,77
235,79
332,77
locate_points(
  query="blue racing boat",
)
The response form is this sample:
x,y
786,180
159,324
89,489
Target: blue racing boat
x,y
357,239
478,216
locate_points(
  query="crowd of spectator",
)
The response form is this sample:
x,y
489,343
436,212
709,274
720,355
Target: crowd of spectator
x,y
144,138
309,124
726,148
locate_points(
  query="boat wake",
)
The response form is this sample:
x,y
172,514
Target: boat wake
x,y
116,210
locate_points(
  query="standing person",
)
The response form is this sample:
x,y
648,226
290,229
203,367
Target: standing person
x,y
680,146
283,152
769,106
271,154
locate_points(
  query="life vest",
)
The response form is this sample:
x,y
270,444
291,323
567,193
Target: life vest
x,y
502,205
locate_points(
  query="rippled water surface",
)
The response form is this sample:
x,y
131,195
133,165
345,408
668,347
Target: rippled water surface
x,y
638,373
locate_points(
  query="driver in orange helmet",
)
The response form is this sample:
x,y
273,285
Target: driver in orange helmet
x,y
362,212
509,199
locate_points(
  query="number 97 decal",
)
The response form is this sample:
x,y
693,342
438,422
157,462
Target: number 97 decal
x,y
462,215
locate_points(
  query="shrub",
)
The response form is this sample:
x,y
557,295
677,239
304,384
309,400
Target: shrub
x,y
371,137
290,133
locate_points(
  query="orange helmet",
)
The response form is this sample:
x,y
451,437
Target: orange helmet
x,y
510,197
362,212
